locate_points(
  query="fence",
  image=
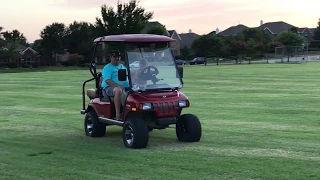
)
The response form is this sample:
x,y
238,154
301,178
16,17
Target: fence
x,y
291,53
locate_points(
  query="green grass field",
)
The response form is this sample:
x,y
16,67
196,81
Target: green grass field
x,y
259,122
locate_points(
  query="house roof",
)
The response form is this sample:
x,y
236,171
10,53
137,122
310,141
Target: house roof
x,y
305,30
28,48
276,27
172,32
19,48
187,39
233,30
212,32
150,25
300,30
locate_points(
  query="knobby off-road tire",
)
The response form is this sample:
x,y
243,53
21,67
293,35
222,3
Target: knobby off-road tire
x,y
188,128
135,133
92,126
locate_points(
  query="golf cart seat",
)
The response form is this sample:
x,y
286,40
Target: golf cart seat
x,y
92,93
99,93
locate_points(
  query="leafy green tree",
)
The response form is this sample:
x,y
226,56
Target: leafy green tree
x,y
250,48
159,30
37,45
185,51
253,47
317,32
236,47
15,36
79,38
290,39
53,39
1,28
233,46
294,30
252,33
11,39
2,41
207,45
128,18
259,36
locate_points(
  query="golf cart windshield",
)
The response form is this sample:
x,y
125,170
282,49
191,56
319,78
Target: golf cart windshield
x,y
152,67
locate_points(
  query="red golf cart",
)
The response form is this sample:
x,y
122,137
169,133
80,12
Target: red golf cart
x,y
154,105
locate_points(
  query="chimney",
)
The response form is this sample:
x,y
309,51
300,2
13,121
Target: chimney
x,y
261,22
217,31
190,31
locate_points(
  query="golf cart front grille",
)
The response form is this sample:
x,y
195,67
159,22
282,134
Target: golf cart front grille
x,y
165,107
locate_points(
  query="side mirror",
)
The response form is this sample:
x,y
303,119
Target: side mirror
x,y
122,75
180,71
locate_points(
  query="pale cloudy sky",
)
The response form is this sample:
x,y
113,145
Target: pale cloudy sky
x,y
202,16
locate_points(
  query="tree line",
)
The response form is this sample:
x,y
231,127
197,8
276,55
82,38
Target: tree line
x,y
249,43
128,18
77,37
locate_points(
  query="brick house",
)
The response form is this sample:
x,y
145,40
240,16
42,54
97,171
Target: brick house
x,y
24,55
272,29
29,56
175,45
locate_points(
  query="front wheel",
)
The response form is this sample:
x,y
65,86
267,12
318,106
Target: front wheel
x,y
188,128
135,133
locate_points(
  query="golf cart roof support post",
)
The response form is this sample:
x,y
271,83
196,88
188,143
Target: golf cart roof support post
x,y
127,59
93,64
94,74
177,67
83,94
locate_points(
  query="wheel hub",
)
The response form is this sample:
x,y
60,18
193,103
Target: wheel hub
x,y
89,125
129,135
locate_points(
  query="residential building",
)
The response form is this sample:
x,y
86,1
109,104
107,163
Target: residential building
x,y
233,30
24,55
187,39
175,45
272,29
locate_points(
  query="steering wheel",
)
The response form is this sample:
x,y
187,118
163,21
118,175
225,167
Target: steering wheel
x,y
149,73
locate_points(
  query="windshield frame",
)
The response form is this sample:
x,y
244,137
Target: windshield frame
x,y
128,46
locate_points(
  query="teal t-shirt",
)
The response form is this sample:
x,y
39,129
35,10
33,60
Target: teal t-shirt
x,y
110,71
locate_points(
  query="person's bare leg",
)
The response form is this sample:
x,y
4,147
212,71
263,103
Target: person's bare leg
x,y
117,100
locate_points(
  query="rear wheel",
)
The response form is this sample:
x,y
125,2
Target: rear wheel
x,y
188,128
135,133
92,126
150,128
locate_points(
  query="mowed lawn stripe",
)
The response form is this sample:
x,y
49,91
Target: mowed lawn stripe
x,y
259,122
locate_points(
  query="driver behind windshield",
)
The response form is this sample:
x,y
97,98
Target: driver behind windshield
x,y
110,83
143,63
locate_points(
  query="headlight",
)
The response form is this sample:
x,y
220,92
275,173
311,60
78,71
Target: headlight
x,y
182,103
147,106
